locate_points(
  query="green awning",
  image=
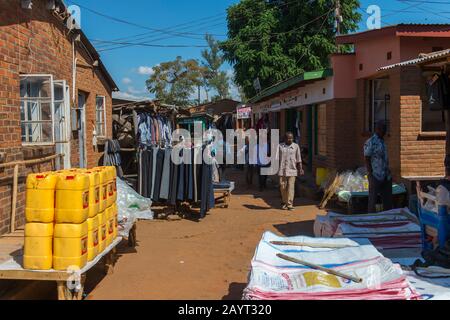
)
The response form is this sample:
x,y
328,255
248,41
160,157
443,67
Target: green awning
x,y
279,87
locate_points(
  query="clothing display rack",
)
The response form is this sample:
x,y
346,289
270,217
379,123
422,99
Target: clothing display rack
x,y
165,182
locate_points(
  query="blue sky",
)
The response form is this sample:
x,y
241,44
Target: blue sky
x,y
161,22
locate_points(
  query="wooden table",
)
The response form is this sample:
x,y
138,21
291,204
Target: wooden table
x,y
11,256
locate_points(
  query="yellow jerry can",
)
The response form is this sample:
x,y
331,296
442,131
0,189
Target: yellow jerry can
x,y
40,197
116,220
113,173
38,247
93,235
109,226
102,231
110,179
70,245
94,191
72,198
103,183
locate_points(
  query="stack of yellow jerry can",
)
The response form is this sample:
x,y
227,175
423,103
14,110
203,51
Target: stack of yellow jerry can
x,y
71,217
94,205
39,215
103,231
70,239
110,213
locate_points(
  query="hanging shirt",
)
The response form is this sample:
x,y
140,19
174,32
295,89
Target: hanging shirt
x,y
375,148
289,156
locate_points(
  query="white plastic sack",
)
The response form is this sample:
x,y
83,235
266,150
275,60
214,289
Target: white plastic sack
x,y
131,206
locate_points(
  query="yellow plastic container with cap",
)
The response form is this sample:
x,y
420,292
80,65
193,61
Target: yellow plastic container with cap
x,y
72,198
110,179
321,175
38,246
116,220
102,231
103,183
113,173
40,197
93,235
109,226
94,191
70,245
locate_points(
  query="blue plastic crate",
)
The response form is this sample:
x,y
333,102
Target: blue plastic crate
x,y
439,221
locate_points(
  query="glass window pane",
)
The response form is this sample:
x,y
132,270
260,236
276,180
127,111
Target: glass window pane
x,y
381,89
58,92
46,111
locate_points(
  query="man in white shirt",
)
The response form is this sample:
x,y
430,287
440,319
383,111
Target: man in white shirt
x,y
290,167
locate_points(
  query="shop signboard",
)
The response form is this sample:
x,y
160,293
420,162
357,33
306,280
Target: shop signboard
x,y
244,111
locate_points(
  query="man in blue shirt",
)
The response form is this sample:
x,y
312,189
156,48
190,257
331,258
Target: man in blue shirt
x,y
377,163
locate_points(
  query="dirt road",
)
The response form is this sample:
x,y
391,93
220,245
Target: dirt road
x,y
201,260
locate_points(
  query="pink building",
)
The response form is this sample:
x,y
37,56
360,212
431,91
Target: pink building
x,y
335,111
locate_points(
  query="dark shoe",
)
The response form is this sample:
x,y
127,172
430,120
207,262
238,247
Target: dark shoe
x,y
291,208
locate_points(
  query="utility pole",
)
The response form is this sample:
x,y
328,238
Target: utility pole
x,y
338,20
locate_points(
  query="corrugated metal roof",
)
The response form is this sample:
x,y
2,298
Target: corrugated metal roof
x,y
428,57
279,87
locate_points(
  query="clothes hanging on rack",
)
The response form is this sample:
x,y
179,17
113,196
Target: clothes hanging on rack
x,y
164,181
112,157
152,129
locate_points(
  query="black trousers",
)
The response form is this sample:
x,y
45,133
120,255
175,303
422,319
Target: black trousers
x,y
380,188
250,168
262,179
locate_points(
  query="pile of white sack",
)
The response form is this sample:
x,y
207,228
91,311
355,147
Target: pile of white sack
x,y
131,206
274,278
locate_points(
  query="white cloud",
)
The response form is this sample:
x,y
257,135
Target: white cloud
x,y
144,70
133,94
230,73
127,96
126,80
234,92
132,90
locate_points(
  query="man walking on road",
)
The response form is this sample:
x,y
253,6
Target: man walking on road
x,y
290,168
377,163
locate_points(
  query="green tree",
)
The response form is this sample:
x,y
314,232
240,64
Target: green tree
x,y
174,82
275,40
214,78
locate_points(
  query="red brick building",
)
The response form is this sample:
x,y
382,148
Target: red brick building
x,y
336,110
54,91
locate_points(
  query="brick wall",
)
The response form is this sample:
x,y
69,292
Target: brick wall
x,y
420,156
34,41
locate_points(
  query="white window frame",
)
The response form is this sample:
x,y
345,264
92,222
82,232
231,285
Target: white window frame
x,y
52,107
104,134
